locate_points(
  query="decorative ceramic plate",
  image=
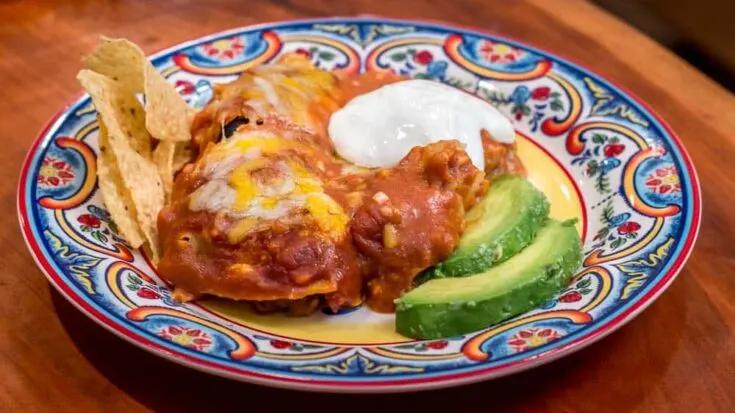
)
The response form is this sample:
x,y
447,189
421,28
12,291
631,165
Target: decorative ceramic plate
x,y
597,152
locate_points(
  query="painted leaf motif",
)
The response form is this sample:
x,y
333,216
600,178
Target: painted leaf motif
x,y
599,138
134,280
584,283
327,56
99,236
603,183
398,57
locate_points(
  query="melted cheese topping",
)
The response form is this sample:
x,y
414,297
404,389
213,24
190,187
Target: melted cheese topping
x,y
252,187
286,87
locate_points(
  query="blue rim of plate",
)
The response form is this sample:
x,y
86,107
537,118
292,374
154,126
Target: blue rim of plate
x,y
691,213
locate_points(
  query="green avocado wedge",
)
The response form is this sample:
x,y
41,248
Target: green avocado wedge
x,y
502,224
447,307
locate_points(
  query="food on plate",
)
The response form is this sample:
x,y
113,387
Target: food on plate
x,y
250,219
290,87
268,214
167,116
411,217
501,225
141,147
296,189
128,142
414,113
447,307
114,192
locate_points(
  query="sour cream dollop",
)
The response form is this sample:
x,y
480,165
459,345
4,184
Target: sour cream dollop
x,y
379,128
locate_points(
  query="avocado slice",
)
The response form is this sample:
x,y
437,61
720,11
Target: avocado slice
x,y
447,307
502,224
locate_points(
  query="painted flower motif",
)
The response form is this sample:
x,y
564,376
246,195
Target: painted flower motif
x,y
533,337
89,220
600,158
617,228
499,53
629,227
224,49
196,95
184,87
149,291
92,224
280,344
618,219
188,337
423,57
571,294
520,95
55,172
571,297
303,52
541,93
613,149
664,180
100,213
148,294
437,345
536,103
436,70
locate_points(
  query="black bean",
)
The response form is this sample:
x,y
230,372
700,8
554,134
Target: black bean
x,y
232,125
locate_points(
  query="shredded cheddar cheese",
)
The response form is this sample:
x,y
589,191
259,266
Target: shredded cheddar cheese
x,y
245,187
327,213
265,184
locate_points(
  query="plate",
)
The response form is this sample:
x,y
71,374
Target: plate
x,y
597,151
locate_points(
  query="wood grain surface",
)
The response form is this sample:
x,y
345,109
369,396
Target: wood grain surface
x,y
678,355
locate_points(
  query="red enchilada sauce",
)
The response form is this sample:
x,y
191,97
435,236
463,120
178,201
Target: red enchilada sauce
x,y
400,220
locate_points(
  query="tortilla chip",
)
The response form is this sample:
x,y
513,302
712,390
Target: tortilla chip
x,y
132,120
182,156
163,158
138,173
169,158
111,187
120,60
168,117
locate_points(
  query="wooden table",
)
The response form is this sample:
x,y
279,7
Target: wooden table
x,y
679,355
